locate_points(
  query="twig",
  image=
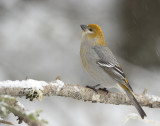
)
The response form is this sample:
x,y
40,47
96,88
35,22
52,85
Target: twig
x,y
10,104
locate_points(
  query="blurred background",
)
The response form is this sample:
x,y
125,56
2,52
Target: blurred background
x,y
41,39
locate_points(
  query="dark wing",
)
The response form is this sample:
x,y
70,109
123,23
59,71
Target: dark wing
x,y
110,65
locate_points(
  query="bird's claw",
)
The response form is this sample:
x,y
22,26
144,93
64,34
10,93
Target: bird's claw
x,y
93,87
104,89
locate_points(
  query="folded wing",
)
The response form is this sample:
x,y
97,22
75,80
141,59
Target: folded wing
x,y
109,64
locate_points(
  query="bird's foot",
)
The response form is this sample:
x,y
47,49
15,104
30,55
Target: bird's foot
x,y
93,87
104,89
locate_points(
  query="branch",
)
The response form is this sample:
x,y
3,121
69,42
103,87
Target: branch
x,y
34,89
10,104
5,122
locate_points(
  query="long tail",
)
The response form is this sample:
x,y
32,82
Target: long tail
x,y
134,101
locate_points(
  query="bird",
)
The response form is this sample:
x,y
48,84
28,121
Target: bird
x,y
101,64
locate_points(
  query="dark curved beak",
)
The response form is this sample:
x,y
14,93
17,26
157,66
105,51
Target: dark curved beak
x,y
84,27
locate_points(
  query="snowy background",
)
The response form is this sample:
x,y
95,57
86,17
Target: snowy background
x,y
41,39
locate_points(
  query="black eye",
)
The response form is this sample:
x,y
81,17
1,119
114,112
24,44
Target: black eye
x,y
90,29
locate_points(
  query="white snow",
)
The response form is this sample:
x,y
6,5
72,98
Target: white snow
x,y
30,84
76,89
96,97
131,116
153,98
3,109
24,84
137,117
30,112
7,96
59,84
20,104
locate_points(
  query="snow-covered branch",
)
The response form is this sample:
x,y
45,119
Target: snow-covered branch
x,y
34,89
9,104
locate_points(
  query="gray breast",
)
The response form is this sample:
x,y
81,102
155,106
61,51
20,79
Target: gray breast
x,y
89,60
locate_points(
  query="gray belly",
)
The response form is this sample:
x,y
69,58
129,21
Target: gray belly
x,y
100,76
96,72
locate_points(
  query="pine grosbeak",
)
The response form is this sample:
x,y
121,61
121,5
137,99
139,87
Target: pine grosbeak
x,y
101,64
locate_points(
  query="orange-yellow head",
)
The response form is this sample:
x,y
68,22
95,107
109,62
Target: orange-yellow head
x,y
94,32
